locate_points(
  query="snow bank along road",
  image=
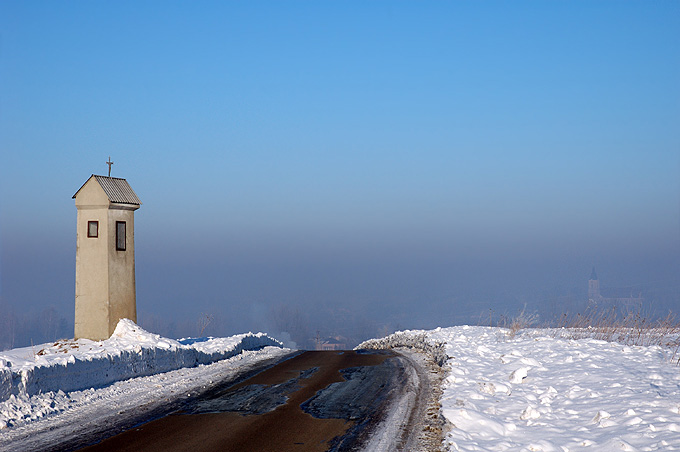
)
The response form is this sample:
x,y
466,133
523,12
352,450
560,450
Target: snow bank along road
x,y
72,365
313,401
538,391
54,392
79,416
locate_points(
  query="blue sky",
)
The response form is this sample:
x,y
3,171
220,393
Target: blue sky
x,y
343,151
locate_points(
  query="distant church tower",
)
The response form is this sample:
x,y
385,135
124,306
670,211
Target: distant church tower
x,y
594,287
105,256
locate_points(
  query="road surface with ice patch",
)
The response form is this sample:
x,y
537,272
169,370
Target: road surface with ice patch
x,y
315,400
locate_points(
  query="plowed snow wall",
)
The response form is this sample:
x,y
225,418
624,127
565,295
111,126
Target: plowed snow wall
x,y
415,341
78,374
5,382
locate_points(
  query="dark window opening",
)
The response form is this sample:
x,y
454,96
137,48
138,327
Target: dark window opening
x,y
93,229
120,235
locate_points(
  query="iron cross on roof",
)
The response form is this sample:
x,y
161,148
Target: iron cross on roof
x,y
109,163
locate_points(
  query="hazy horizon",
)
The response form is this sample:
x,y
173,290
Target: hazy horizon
x,y
345,168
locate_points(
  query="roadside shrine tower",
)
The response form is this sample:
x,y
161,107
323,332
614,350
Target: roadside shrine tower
x,y
105,256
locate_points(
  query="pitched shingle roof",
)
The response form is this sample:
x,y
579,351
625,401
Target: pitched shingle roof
x,y
118,190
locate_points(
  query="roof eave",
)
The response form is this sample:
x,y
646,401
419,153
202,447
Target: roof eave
x,y
123,206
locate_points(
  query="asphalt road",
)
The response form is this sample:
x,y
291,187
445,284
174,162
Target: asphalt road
x,y
314,401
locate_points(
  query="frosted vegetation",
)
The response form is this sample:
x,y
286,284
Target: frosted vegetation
x,y
630,327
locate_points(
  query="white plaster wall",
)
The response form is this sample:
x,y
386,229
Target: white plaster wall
x,y
92,280
105,277
121,273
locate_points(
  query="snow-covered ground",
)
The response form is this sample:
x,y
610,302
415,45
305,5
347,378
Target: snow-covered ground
x,y
538,392
42,380
535,391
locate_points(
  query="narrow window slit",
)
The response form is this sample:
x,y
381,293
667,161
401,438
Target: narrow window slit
x,y
120,235
93,229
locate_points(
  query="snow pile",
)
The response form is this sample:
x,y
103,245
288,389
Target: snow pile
x,y
130,352
25,408
535,392
412,340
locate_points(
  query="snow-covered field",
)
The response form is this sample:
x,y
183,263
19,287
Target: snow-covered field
x,y
46,379
536,392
